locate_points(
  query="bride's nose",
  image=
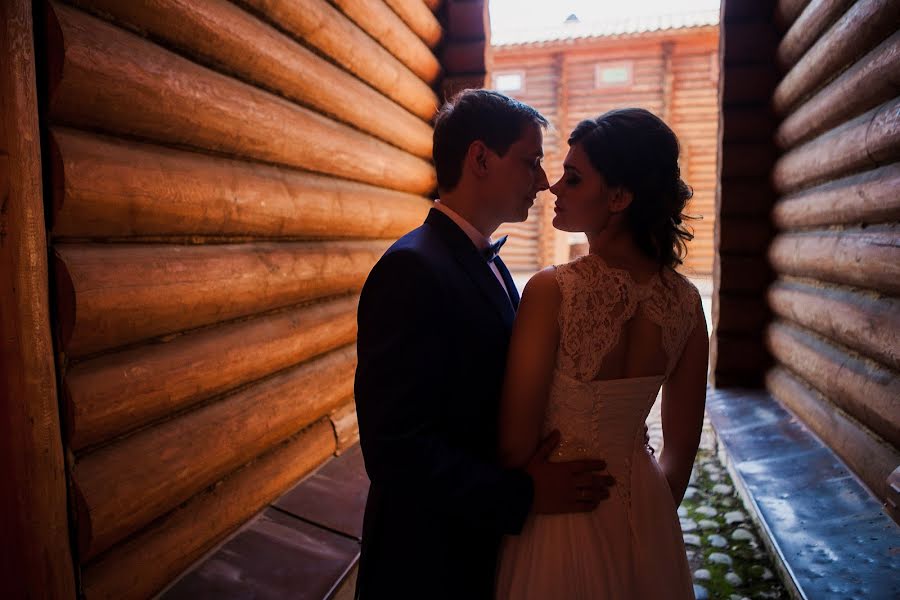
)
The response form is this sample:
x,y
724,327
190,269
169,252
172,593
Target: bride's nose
x,y
554,189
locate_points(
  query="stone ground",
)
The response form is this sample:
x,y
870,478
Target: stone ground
x,y
723,545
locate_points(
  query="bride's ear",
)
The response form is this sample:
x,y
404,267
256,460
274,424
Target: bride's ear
x,y
621,199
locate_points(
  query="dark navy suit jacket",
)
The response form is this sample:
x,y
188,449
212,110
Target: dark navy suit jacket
x,y
434,329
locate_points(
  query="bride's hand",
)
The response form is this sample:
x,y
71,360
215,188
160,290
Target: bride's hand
x,y
564,487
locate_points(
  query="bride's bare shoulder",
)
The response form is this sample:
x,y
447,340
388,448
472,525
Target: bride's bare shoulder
x,y
543,286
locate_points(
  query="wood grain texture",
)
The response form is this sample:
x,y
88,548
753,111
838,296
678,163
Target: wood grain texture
x,y
419,18
105,187
109,79
809,26
126,485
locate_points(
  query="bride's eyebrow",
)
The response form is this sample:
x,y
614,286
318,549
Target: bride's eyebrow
x,y
570,168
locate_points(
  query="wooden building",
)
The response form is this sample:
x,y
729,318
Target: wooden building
x,y
666,64
193,195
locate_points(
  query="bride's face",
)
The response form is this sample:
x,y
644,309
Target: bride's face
x,y
583,200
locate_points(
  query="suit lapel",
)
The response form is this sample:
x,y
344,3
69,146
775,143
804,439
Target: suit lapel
x,y
473,264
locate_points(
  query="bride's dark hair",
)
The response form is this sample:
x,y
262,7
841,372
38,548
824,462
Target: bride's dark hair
x,y
635,149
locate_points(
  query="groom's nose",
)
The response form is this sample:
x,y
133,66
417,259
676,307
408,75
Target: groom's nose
x,y
541,182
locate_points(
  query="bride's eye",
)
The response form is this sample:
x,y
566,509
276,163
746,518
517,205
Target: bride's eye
x,y
573,180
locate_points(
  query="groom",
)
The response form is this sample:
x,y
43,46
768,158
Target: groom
x,y
435,318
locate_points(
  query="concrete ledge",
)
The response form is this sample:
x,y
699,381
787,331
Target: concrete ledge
x,y
828,534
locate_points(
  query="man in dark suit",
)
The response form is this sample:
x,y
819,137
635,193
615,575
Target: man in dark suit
x,y
435,318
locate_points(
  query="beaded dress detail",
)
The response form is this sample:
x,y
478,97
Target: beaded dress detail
x,y
631,545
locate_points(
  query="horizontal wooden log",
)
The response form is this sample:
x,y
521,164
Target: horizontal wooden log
x,y
106,187
868,259
346,428
872,80
146,563
787,11
860,29
320,25
126,485
114,394
219,33
433,5
869,197
872,459
869,392
110,295
809,26
106,78
419,18
864,322
379,21
868,141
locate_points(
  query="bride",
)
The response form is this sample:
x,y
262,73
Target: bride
x,y
594,341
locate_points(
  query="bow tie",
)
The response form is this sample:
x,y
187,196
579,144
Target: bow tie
x,y
491,252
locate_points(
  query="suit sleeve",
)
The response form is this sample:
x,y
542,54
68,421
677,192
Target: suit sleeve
x,y
399,404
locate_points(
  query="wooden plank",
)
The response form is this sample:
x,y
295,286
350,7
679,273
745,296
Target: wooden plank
x,y
318,24
35,555
114,394
114,295
868,258
106,78
346,427
219,34
809,26
106,187
146,563
419,18
383,24
866,323
869,197
869,392
871,459
872,80
860,29
868,141
126,485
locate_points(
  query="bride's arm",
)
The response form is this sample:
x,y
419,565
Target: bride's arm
x,y
529,369
683,402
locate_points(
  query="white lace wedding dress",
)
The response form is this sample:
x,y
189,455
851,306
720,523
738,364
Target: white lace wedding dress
x,y
630,546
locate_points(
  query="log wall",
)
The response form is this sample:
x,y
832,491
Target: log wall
x,y
674,75
833,112
222,178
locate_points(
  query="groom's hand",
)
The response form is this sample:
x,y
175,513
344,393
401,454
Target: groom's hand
x,y
564,487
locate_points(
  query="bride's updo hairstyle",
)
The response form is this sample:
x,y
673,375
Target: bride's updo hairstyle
x,y
635,149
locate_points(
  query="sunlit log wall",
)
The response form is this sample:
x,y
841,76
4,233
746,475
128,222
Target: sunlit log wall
x,y
223,176
835,336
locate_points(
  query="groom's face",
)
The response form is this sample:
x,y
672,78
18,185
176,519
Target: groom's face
x,y
517,176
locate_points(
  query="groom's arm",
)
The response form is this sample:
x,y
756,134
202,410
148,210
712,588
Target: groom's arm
x,y
399,403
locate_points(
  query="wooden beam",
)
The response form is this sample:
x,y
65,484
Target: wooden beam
x,y
868,258
868,141
106,78
107,187
815,19
871,459
146,563
419,18
383,24
866,390
867,324
114,394
111,295
126,485
861,28
346,427
872,80
870,197
219,34
320,25
35,556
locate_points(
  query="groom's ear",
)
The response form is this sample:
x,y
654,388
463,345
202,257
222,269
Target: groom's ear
x,y
477,158
621,199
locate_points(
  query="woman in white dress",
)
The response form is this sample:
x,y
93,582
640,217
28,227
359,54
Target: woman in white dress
x,y
594,341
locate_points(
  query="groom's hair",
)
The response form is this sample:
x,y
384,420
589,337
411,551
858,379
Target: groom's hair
x,y
477,115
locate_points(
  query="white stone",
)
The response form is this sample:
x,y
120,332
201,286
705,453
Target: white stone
x,y
720,558
707,511
682,511
690,493
722,489
735,516
691,539
767,574
734,579
714,477
717,541
688,524
707,524
700,592
702,575
711,468
742,535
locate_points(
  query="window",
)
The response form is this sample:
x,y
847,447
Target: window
x,y
612,75
509,81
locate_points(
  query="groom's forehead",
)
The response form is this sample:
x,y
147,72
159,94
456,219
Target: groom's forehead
x,y
531,140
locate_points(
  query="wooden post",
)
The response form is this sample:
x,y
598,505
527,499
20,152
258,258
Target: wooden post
x,y
34,545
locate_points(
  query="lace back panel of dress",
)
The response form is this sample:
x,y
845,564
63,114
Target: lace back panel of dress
x,y
597,302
